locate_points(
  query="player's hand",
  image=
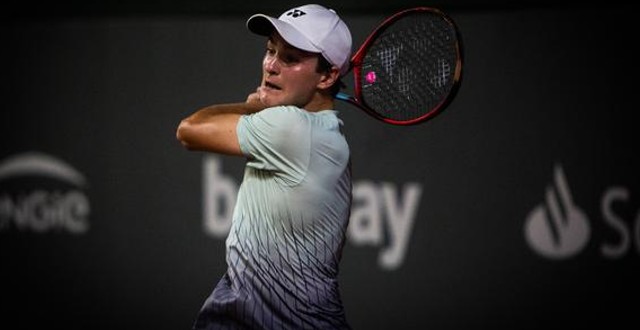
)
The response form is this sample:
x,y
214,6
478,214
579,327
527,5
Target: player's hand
x,y
255,97
254,100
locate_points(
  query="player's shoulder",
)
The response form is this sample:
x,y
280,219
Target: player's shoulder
x,y
285,110
285,114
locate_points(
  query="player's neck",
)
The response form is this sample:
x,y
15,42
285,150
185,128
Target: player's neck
x,y
320,102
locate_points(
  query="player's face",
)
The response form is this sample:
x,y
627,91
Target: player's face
x,y
289,74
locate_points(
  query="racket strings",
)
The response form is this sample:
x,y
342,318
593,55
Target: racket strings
x,y
410,67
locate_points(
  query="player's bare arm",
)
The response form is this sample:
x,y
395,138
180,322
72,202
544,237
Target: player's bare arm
x,y
213,128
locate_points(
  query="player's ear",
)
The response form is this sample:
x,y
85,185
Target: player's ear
x,y
328,78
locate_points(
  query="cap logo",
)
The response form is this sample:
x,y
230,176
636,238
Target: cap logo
x,y
296,13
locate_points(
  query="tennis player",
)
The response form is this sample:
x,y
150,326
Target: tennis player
x,y
288,230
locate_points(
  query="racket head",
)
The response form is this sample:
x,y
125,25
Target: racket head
x,y
409,68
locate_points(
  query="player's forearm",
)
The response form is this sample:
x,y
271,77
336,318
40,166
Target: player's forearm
x,y
213,128
210,112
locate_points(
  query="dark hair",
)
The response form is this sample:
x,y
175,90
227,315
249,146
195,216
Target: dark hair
x,y
325,66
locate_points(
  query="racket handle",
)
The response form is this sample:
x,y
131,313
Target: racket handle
x,y
349,99
342,96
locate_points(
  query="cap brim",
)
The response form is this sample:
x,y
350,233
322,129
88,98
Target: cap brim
x,y
264,25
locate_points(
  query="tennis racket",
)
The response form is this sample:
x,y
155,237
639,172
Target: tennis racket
x,y
408,69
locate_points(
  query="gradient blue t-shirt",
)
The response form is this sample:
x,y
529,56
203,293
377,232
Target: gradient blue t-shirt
x,y
288,228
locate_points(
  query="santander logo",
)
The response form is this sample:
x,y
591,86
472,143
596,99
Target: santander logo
x,y
557,228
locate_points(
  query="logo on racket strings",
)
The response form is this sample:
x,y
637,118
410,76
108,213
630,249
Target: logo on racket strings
x,y
370,77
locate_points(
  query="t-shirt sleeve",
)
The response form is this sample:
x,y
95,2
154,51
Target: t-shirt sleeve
x,y
278,140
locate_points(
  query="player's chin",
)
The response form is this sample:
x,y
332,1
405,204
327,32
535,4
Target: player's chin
x,y
272,99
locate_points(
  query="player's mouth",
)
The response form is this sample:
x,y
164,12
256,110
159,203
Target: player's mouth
x,y
272,86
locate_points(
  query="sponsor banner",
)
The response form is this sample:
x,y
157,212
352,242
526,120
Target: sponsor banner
x,y
380,209
517,207
41,193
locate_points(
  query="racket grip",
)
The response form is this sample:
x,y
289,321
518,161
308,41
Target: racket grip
x,y
342,96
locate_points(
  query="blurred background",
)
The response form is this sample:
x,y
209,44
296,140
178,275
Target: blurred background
x,y
517,207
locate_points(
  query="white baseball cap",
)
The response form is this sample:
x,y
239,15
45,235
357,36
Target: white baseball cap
x,y
312,28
